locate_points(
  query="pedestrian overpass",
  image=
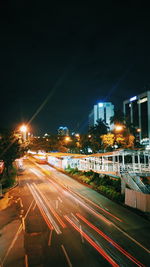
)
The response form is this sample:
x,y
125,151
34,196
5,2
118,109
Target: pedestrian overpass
x,y
129,165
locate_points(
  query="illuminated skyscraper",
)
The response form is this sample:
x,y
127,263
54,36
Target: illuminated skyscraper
x,y
63,131
103,111
137,110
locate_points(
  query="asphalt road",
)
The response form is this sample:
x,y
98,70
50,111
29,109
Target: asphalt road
x,y
64,223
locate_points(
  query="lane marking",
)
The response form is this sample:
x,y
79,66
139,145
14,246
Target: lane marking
x,y
29,209
67,257
81,234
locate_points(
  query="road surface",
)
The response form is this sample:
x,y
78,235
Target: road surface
x,y
64,223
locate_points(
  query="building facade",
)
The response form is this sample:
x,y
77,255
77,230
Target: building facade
x,y
63,131
103,111
137,111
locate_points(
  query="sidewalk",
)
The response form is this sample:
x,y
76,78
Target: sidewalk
x,y
11,235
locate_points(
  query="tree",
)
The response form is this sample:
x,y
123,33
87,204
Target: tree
x,y
85,143
118,118
108,140
96,131
10,149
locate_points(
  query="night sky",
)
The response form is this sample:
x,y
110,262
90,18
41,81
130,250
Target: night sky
x,y
58,60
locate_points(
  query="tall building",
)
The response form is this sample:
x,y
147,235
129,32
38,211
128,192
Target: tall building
x,y
103,111
63,131
137,110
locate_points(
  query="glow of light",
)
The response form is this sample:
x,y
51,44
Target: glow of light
x,y
133,98
143,100
100,105
67,139
118,128
23,128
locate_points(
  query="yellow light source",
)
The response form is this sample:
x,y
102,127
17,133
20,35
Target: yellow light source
x,y
67,139
138,130
89,136
23,128
118,128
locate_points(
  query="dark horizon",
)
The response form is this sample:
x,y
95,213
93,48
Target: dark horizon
x,y
58,60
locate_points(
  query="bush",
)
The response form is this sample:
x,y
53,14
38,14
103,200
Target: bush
x,y
89,173
103,183
85,179
9,181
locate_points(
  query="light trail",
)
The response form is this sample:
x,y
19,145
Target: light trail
x,y
93,244
76,198
90,209
88,200
44,211
37,173
123,232
94,204
51,209
123,251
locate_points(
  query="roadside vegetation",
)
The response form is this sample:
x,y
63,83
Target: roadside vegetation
x,y
106,185
10,150
6,181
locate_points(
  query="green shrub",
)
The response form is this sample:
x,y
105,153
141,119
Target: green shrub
x,y
9,181
89,173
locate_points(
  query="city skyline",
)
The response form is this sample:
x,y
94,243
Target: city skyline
x,y
60,60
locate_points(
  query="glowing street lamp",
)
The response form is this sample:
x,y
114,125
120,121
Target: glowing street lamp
x,y
118,128
24,129
67,139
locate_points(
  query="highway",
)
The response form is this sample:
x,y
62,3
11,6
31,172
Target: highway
x,y
64,226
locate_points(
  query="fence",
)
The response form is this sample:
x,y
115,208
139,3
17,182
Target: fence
x,y
137,200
